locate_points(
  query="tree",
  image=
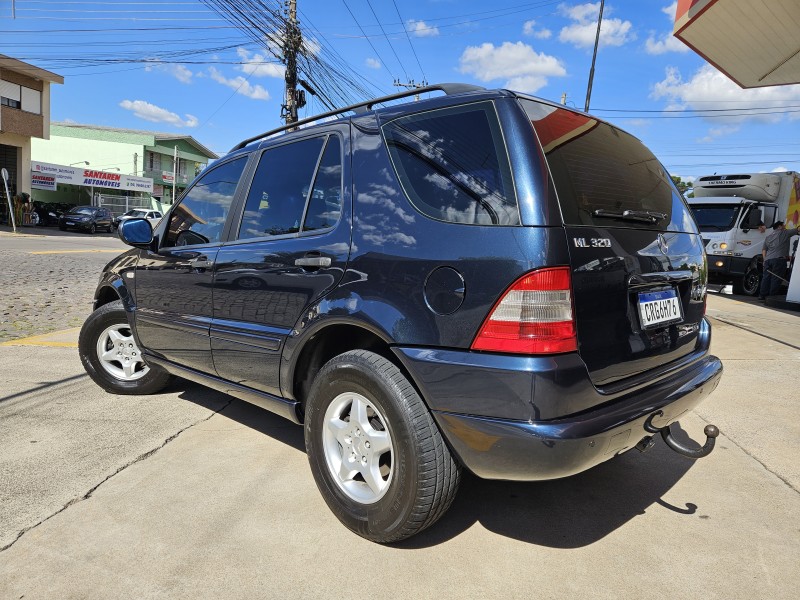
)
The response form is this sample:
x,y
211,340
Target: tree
x,y
682,185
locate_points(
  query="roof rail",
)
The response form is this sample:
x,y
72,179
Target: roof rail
x,y
362,107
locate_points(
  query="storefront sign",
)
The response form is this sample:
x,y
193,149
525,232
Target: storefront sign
x,y
40,181
167,176
158,189
91,177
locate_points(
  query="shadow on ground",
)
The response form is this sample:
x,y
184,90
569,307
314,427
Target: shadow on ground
x,y
565,513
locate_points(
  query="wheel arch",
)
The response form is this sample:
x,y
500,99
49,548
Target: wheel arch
x,y
326,342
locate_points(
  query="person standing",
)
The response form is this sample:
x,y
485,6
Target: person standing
x,y
775,253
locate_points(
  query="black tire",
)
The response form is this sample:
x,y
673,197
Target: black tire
x,y
62,228
149,380
422,476
93,228
750,283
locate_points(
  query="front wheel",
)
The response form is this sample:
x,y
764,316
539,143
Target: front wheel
x,y
751,280
376,454
112,358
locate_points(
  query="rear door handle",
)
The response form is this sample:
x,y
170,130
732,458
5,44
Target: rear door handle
x,y
313,261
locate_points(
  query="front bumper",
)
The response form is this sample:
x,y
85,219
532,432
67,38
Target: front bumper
x,y
533,418
728,265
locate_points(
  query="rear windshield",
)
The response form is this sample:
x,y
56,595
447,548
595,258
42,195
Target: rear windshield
x,y
603,176
719,217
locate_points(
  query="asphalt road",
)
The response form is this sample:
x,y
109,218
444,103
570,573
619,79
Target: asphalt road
x,y
191,494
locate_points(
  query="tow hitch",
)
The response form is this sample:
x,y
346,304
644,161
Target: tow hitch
x,y
711,432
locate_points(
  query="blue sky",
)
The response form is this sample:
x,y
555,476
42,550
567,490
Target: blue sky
x,y
179,66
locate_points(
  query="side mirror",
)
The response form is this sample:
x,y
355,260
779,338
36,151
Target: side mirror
x,y
136,232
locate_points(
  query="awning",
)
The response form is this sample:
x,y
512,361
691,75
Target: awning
x,y
754,42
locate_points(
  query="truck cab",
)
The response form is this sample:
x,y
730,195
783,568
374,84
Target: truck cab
x,y
728,210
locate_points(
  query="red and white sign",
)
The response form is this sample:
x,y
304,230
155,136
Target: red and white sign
x,y
40,181
91,177
167,176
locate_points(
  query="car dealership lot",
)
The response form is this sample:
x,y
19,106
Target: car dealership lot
x,y
190,493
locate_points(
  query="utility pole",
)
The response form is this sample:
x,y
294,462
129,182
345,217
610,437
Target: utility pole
x,y
410,86
594,57
135,163
292,42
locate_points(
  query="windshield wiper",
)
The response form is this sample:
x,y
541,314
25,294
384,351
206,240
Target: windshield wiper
x,y
644,216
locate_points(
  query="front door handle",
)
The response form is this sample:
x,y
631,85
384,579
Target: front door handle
x,y
313,261
201,262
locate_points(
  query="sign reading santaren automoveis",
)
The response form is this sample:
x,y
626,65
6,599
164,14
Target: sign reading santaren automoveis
x,y
87,178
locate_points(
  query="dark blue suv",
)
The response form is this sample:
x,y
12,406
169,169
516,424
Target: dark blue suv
x,y
481,280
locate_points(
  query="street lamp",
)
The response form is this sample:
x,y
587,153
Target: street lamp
x,y
85,162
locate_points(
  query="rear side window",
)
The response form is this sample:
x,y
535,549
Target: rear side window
x,y
600,172
453,165
280,186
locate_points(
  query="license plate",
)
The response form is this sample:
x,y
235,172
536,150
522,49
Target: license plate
x,y
70,223
659,308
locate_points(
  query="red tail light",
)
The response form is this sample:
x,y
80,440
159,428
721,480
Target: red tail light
x,y
534,316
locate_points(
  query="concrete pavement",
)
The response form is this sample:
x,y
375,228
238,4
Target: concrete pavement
x,y
189,494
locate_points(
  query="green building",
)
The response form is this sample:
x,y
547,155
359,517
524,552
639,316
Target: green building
x,y
171,160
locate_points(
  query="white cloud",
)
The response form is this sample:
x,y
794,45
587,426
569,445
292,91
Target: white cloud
x,y
179,72
373,63
156,114
710,89
779,170
671,10
581,34
667,43
259,65
421,29
240,85
529,29
525,69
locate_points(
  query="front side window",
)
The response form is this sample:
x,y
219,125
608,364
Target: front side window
x,y
201,214
453,165
280,187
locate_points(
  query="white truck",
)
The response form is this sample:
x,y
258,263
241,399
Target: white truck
x,y
728,209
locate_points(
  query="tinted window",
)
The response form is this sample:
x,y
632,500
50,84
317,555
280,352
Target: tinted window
x,y
201,214
325,203
597,167
278,194
453,165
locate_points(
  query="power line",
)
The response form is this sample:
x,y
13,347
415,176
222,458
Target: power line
x,y
402,66
383,62
419,64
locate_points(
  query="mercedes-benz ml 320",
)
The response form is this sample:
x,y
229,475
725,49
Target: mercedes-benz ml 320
x,y
481,280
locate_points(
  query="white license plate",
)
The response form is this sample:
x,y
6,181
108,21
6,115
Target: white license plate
x,y
659,308
70,223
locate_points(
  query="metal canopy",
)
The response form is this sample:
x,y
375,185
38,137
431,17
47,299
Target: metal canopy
x,y
754,42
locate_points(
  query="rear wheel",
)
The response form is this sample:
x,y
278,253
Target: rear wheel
x,y
375,452
112,358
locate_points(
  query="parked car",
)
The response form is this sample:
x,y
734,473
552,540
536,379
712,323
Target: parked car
x,y
48,214
87,218
482,280
153,216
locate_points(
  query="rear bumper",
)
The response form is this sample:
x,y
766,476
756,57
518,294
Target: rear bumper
x,y
503,449
531,418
